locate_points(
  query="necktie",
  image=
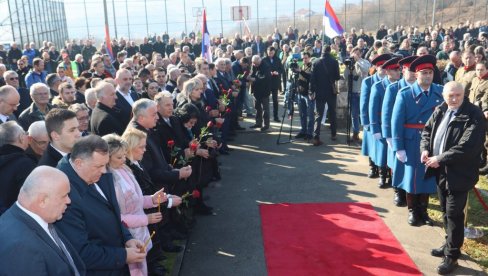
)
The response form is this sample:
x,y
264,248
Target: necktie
x,y
440,134
61,246
426,93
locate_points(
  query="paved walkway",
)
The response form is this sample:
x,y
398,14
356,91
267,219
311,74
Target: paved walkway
x,y
258,170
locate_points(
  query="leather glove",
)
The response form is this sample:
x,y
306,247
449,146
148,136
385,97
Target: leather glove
x,y
377,136
389,141
402,156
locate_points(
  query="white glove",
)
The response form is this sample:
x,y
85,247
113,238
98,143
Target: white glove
x,y
402,156
389,142
377,136
366,127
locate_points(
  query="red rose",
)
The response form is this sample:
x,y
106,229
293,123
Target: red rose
x,y
229,91
193,146
228,110
224,92
208,108
171,143
219,124
210,124
195,194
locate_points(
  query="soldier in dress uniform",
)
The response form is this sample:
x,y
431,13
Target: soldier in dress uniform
x,y
413,107
466,74
386,111
368,145
375,111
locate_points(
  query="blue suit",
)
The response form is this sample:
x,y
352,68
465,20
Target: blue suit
x,y
375,104
27,249
93,224
386,111
411,111
367,148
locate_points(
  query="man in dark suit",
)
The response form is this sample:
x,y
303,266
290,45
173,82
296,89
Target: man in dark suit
x,y
257,46
451,146
276,68
12,78
125,97
62,128
105,116
260,79
12,158
9,101
27,228
92,222
325,72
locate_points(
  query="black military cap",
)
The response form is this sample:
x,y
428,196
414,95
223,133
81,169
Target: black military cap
x,y
379,60
422,63
405,62
391,64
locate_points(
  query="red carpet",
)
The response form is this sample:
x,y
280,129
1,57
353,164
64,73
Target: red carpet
x,y
330,239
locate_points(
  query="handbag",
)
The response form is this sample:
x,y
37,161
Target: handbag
x,y
335,91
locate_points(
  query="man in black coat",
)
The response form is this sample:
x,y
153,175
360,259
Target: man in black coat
x,y
451,146
12,78
260,77
276,68
125,97
29,223
325,72
13,55
105,117
62,128
92,221
15,164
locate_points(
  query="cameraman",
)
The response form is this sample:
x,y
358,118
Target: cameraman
x,y
358,68
306,104
293,63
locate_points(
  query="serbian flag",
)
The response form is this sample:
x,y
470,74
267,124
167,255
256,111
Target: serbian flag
x,y
108,44
206,54
332,27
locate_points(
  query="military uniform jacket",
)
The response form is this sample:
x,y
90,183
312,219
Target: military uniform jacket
x,y
368,143
375,104
412,109
465,77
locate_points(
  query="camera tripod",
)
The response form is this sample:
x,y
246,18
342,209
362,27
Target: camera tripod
x,y
289,107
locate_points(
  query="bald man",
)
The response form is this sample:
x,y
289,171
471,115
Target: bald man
x,y
9,101
27,228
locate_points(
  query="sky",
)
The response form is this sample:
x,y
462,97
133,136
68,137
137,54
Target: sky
x,y
77,21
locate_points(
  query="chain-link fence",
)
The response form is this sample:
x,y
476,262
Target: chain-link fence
x,y
37,20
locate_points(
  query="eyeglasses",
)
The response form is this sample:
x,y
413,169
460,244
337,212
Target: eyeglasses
x,y
13,78
40,143
84,118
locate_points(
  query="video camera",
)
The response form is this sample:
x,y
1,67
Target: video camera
x,y
350,62
294,67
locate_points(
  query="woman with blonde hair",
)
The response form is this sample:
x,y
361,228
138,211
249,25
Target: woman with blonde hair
x,y
131,200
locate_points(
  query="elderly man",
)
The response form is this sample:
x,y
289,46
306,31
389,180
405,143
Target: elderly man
x,y
12,79
451,145
39,93
9,101
67,95
260,79
62,128
105,118
15,164
38,139
37,74
92,222
83,117
30,221
125,97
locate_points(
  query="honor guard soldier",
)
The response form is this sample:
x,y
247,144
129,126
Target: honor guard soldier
x,y
413,107
386,111
368,145
375,104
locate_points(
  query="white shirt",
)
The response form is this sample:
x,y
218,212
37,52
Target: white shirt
x,y
100,191
127,97
60,152
38,219
3,118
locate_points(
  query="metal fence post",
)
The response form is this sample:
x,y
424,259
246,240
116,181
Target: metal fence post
x,y
86,19
115,20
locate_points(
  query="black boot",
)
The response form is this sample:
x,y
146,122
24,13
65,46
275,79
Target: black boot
x,y
423,204
413,216
373,169
400,198
383,183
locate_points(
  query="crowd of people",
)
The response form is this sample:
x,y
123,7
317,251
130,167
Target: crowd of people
x,y
107,158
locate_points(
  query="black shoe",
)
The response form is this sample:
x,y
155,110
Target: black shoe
x,y
448,265
156,269
373,172
172,248
438,252
264,128
300,135
255,126
277,120
413,218
399,198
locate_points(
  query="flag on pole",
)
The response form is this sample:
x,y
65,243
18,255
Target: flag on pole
x,y
206,53
108,44
332,27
